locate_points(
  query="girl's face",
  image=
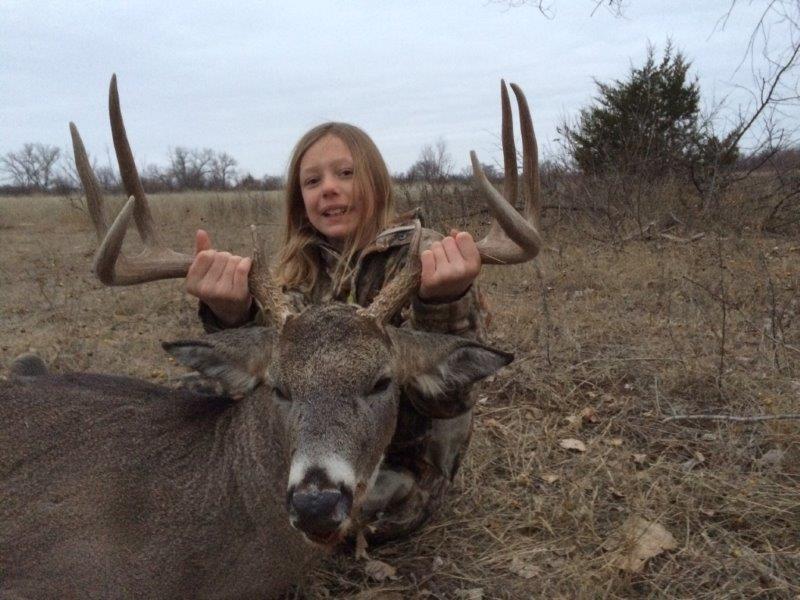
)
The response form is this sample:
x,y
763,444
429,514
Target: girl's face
x,y
326,182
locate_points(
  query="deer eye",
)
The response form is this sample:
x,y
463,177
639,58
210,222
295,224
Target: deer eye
x,y
280,394
380,386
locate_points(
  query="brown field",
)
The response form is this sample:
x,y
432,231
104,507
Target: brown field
x,y
610,340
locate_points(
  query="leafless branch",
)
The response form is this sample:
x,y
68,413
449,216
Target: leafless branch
x,y
735,418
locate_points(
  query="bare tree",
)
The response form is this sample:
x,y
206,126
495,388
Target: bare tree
x,y
223,168
768,120
433,165
33,166
190,168
546,7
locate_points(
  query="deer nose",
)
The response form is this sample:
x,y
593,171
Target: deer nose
x,y
320,512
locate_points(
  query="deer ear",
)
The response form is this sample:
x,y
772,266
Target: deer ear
x,y
236,359
437,370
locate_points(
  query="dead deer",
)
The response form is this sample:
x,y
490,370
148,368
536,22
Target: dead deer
x,y
115,487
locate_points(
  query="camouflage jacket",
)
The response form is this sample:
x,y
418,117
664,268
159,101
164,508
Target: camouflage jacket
x,y
424,447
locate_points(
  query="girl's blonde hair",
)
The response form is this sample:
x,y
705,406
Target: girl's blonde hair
x,y
298,263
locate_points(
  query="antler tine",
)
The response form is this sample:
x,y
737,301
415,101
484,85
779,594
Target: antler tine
x,y
509,147
128,171
263,287
110,265
531,189
91,187
513,238
396,293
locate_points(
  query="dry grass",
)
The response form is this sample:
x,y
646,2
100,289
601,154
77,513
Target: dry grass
x,y
624,335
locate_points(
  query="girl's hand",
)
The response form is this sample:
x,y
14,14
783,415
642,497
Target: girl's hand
x,y
449,267
220,280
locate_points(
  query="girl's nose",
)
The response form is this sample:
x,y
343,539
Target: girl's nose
x,y
329,185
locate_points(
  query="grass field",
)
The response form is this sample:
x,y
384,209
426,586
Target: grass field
x,y
610,340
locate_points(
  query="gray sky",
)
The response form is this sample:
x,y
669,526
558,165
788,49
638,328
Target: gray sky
x,y
250,78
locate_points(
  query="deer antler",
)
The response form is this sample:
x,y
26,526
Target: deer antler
x,y
266,292
156,261
513,237
397,292
112,267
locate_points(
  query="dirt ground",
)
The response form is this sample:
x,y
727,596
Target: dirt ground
x,y
571,450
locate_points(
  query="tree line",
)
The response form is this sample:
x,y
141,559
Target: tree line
x,y
42,168
644,128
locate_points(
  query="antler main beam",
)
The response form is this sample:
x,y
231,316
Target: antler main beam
x,y
513,237
111,266
156,261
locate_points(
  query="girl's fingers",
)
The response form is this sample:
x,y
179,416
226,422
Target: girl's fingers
x,y
217,268
469,250
453,253
240,286
440,255
226,280
202,241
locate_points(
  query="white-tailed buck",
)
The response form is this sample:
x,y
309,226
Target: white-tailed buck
x,y
112,487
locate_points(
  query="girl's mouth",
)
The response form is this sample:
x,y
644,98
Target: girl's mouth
x,y
336,211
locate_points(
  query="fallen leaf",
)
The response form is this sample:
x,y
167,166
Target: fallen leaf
x,y
690,464
616,442
438,563
639,458
495,426
637,541
470,594
379,570
523,479
574,420
589,415
616,493
708,512
772,458
550,478
572,444
523,568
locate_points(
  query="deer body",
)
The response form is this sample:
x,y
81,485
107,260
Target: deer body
x,y
112,487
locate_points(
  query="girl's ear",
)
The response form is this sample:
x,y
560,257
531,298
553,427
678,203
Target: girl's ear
x,y
437,370
237,359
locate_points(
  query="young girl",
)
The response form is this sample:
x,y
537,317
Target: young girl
x,y
343,242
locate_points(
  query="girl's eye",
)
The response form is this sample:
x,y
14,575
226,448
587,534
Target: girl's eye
x,y
311,181
346,172
380,386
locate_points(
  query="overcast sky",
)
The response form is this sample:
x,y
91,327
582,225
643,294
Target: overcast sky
x,y
250,78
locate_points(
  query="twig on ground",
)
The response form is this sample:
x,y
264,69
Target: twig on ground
x,y
738,419
680,240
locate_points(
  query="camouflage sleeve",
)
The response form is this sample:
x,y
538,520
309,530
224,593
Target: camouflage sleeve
x,y
212,324
465,316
